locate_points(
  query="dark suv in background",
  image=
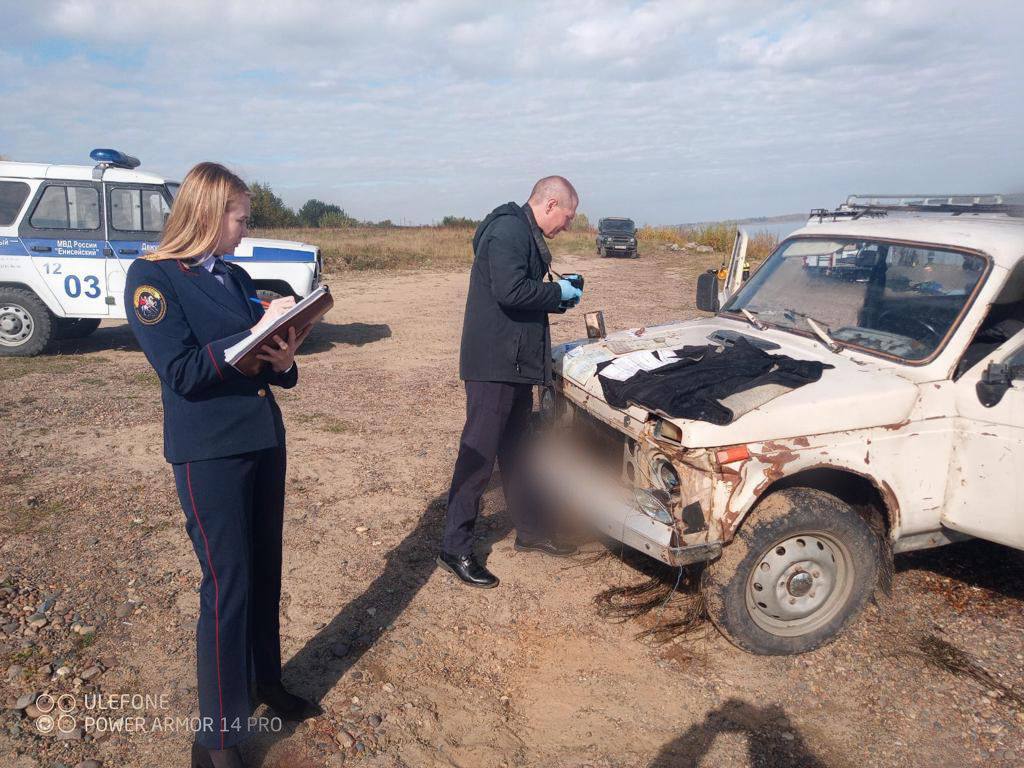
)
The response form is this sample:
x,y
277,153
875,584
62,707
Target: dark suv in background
x,y
616,237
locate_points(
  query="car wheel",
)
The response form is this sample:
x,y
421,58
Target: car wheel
x,y
26,325
75,327
796,574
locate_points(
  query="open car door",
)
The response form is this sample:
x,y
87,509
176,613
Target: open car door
x,y
734,276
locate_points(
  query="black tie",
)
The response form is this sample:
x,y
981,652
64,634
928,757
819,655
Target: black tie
x,y
221,269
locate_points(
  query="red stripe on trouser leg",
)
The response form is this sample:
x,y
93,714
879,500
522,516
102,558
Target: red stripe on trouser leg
x,y
216,597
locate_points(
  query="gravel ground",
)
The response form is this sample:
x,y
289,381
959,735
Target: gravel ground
x,y
98,585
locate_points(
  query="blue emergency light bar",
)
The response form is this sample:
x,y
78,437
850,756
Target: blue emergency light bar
x,y
111,157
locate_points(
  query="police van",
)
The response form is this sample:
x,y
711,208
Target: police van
x,y
68,234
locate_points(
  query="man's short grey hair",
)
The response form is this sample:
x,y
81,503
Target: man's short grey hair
x,y
557,187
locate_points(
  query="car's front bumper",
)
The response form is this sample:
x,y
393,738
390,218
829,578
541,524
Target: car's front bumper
x,y
604,503
626,523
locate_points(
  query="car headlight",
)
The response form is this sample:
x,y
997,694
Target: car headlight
x,y
654,503
664,474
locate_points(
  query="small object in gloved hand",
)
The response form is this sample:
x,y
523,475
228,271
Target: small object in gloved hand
x,y
572,290
569,291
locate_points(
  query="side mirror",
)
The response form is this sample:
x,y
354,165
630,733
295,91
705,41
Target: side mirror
x,y
995,381
707,291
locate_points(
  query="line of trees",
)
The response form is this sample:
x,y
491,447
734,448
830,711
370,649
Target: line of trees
x,y
270,211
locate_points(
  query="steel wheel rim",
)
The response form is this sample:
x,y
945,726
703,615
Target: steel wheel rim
x,y
799,584
16,325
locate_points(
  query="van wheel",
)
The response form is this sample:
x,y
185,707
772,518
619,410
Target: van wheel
x,y
26,325
795,575
75,327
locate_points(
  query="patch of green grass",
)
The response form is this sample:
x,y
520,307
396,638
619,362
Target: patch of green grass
x,y
323,422
19,518
16,367
335,425
145,377
84,641
25,654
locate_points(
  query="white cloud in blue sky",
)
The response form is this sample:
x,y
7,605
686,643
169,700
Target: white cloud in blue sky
x,y
665,111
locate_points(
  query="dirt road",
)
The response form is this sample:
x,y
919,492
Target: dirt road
x,y
410,669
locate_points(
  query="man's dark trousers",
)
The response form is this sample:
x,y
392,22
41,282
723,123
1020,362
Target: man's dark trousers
x,y
497,419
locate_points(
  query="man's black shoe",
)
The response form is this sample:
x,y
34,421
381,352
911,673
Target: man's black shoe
x,y
289,706
468,569
545,546
216,758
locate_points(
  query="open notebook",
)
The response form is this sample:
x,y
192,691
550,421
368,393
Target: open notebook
x,y
243,355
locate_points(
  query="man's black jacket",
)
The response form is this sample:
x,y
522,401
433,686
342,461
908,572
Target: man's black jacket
x,y
505,334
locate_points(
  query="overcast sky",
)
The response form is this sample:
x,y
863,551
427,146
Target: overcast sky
x,y
668,112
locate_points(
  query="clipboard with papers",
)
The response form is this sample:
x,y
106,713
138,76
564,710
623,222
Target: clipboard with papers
x,y
243,355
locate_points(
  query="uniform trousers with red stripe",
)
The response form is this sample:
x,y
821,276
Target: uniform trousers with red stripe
x,y
234,511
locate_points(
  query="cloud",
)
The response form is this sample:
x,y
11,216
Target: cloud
x,y
666,111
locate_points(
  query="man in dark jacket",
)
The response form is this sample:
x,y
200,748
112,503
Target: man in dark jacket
x,y
506,350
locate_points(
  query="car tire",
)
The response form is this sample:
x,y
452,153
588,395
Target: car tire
x,y
796,574
602,253
75,327
26,325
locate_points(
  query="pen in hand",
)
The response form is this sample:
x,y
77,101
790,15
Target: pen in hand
x,y
262,303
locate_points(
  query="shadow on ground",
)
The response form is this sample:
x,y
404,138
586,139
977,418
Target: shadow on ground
x,y
318,666
772,741
325,335
103,339
975,563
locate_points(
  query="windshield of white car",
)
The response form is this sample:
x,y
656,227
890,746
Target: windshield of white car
x,y
896,299
172,188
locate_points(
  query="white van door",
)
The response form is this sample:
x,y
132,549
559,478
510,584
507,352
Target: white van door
x,y
985,494
136,214
63,233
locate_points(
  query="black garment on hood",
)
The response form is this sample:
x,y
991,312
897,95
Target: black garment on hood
x,y
505,335
694,387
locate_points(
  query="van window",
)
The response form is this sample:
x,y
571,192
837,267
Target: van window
x,y
154,210
138,210
12,197
67,208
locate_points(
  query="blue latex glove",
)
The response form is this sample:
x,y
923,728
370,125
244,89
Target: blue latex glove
x,y
570,293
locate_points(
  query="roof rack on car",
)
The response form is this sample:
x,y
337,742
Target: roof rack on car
x,y
857,206
985,203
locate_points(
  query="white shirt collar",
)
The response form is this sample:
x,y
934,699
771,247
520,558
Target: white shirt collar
x,y
208,261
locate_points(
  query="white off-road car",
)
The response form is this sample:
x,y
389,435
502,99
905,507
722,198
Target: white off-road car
x,y
68,234
912,437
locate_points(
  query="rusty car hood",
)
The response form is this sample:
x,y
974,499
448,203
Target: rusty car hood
x,y
856,393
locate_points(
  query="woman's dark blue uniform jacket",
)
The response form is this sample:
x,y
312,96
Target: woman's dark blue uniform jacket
x,y
184,319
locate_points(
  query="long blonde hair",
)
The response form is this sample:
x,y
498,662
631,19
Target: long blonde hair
x,y
193,228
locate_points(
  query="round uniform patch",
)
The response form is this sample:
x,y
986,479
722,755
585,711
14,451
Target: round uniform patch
x,y
149,303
